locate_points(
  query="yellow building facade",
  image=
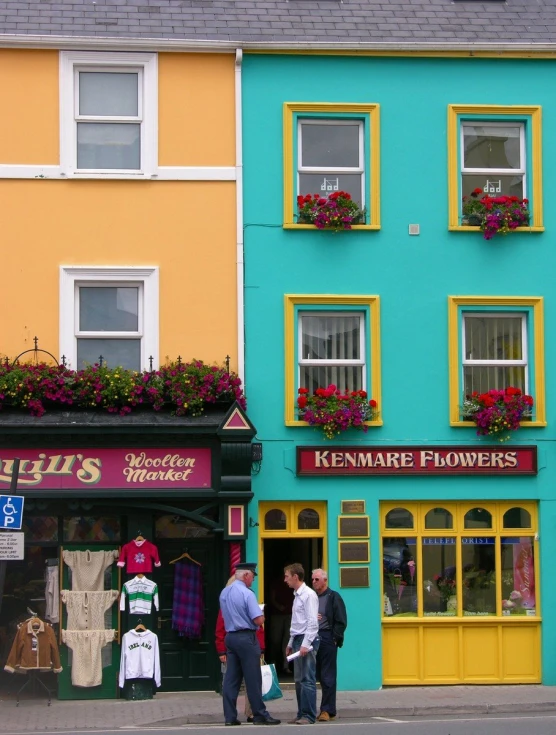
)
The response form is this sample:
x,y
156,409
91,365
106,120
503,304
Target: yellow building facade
x,y
121,205
176,213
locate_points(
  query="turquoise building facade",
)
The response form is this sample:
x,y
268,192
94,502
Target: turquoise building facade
x,y
413,288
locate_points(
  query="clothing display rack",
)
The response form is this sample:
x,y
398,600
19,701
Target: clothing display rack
x,y
34,677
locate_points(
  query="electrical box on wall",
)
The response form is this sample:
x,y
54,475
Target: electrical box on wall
x,y
414,229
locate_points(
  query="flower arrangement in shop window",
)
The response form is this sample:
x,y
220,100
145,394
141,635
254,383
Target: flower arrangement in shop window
x,y
494,215
334,412
335,212
447,587
498,412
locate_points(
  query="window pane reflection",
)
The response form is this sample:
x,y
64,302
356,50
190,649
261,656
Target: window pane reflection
x,y
400,576
518,576
439,518
439,576
478,518
517,518
308,518
478,576
275,520
399,518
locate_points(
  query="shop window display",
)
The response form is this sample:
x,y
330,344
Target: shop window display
x,y
91,528
460,561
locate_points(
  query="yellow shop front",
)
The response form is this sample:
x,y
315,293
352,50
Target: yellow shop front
x,y
460,593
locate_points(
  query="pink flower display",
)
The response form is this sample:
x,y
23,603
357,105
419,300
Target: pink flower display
x,y
334,412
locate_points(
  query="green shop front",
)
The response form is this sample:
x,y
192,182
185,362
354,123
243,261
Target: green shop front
x,y
93,482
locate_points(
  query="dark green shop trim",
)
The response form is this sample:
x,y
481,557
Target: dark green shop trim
x,y
231,448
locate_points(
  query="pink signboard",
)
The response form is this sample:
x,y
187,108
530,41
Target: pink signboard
x,y
100,469
422,460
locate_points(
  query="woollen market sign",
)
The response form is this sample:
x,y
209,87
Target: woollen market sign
x,y
424,460
175,468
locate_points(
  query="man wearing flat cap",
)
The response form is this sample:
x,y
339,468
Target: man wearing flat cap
x,y
242,616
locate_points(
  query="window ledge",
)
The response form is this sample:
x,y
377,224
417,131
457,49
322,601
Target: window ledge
x,y
304,424
295,226
470,228
522,424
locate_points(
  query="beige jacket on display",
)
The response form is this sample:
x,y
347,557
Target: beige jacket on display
x,y
34,647
88,567
86,609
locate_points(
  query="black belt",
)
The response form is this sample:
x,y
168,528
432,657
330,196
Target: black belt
x,y
243,630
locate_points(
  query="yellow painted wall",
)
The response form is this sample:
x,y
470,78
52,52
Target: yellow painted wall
x,y
196,110
188,229
51,223
195,101
29,127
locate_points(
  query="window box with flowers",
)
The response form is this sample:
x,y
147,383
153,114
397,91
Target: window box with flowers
x,y
331,148
336,212
334,412
494,215
497,413
184,388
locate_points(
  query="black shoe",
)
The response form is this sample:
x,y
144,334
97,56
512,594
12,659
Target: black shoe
x,y
250,719
233,722
267,721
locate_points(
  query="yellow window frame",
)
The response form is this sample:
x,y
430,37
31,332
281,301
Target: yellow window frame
x,y
372,345
536,303
534,112
458,510
372,163
291,510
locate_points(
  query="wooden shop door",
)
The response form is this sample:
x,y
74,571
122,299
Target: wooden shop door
x,y
188,664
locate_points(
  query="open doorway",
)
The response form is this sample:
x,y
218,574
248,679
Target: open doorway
x,y
278,597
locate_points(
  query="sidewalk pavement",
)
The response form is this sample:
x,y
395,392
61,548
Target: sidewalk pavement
x,y
173,710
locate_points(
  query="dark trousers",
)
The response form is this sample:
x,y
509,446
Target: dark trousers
x,y
243,661
327,658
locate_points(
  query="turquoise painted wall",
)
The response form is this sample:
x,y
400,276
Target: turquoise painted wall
x,y
413,277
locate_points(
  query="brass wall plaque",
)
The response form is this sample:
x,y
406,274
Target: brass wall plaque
x,y
354,576
353,506
353,526
353,552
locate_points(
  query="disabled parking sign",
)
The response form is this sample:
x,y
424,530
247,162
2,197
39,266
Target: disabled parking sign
x,y
11,512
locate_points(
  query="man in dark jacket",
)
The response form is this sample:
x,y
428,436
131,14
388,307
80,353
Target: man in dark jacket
x,y
332,624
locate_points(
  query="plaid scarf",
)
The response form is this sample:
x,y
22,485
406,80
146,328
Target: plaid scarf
x,y
188,608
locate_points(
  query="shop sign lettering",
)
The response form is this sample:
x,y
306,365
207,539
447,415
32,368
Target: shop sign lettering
x,y
416,461
174,468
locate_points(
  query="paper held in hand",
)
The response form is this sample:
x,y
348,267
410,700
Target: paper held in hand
x,y
297,654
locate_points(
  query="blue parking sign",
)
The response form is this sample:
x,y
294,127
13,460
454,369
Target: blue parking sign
x,y
11,512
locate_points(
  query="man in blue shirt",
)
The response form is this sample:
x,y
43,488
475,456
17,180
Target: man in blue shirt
x,y
242,616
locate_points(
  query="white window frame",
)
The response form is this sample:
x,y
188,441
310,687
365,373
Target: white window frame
x,y
337,169
73,62
522,171
147,278
524,362
361,362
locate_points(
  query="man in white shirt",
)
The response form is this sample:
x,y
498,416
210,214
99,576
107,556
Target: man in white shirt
x,y
303,639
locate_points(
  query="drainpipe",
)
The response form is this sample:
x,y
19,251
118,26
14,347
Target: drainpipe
x,y
239,222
